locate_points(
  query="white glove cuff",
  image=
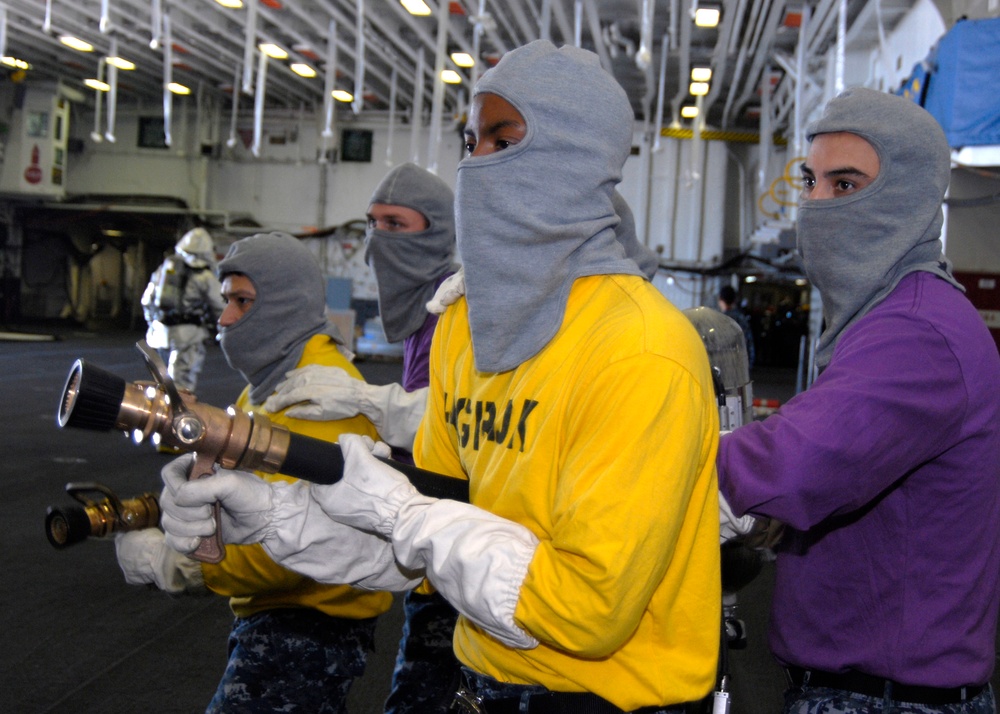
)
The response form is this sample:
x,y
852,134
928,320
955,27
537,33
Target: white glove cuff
x,y
177,573
477,560
730,525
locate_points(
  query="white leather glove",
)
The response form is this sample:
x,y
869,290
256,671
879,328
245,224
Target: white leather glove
x,y
448,292
371,492
186,506
730,525
284,519
145,558
319,393
475,559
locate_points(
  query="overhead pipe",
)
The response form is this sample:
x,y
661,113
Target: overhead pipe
x,y
477,37
168,71
594,19
249,46
112,93
800,65
661,90
96,135
719,61
392,117
47,20
417,109
329,82
562,20
359,59
155,24
258,103
767,33
683,71
838,77
754,17
234,112
437,98
104,25
644,55
3,30
545,21
578,23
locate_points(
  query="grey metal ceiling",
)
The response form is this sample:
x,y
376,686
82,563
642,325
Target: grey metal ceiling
x,y
755,39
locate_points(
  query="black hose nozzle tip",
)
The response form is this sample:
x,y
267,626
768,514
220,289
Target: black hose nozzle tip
x,y
66,525
91,398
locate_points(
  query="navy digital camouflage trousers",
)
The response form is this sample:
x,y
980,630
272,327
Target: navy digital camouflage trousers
x,y
822,700
292,660
427,674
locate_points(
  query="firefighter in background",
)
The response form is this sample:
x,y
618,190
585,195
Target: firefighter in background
x,y
183,298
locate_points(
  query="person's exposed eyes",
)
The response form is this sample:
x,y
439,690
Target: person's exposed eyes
x,y
470,145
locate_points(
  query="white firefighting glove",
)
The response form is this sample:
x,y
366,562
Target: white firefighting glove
x,y
448,292
475,559
284,519
730,525
145,558
321,393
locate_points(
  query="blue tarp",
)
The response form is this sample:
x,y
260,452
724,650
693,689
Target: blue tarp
x,y
963,87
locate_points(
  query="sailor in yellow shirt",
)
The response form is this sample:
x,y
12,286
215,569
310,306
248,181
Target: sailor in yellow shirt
x,y
580,406
295,642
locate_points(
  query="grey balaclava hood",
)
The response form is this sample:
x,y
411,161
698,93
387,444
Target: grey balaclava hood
x,y
407,265
290,308
532,218
646,259
856,249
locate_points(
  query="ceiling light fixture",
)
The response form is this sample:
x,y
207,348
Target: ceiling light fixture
x,y
272,50
15,63
415,7
463,59
689,112
701,74
76,43
698,89
178,88
302,69
231,4
120,63
97,84
450,76
706,16
342,95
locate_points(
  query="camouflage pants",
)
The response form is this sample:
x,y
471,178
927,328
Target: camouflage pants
x,y
427,674
822,700
294,660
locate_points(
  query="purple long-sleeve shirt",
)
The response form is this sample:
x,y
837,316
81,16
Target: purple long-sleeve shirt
x,y
887,472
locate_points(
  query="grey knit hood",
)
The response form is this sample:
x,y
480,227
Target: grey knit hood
x,y
407,266
534,217
856,249
290,307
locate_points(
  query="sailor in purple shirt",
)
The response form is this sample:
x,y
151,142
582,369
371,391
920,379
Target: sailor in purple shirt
x,y
886,471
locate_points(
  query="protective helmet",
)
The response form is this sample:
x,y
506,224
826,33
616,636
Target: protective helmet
x,y
196,247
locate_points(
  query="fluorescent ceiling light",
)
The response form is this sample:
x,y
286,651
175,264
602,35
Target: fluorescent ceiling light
x,y
450,76
342,96
302,69
689,112
178,88
97,84
15,63
234,4
272,50
76,43
415,7
706,16
699,89
120,63
701,74
463,59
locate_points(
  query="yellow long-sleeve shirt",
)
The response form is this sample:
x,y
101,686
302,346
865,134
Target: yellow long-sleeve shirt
x,y
603,445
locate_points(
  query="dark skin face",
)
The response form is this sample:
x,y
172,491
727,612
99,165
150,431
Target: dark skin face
x,y
838,165
239,294
493,125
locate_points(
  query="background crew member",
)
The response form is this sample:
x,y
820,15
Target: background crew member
x,y
180,301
